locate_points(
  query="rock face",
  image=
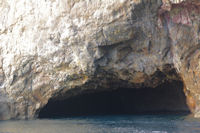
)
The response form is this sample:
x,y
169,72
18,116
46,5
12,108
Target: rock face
x,y
61,48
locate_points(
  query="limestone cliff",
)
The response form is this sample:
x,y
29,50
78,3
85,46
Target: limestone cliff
x,y
60,48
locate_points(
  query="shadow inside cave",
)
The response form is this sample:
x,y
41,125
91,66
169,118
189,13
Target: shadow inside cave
x,y
166,98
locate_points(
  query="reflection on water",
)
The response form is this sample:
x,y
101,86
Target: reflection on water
x,y
106,124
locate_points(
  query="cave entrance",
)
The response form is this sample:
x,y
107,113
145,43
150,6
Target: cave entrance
x,y
166,98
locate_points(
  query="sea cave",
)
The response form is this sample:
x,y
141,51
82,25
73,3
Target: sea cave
x,y
165,98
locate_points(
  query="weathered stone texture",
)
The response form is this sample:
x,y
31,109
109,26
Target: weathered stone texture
x,y
64,47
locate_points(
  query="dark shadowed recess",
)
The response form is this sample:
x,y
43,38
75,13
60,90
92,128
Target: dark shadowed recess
x,y
166,98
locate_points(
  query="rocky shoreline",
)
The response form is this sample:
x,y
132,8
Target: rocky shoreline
x,y
57,49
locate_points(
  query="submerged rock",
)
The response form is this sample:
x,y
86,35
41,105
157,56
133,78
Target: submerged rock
x,y
58,49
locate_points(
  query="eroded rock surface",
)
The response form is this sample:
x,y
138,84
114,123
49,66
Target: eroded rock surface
x,y
57,49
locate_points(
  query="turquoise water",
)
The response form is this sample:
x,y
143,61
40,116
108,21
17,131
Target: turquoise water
x,y
106,124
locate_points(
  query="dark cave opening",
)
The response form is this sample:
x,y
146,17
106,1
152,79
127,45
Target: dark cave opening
x,y
166,98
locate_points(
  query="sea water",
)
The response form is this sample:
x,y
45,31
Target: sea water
x,y
106,124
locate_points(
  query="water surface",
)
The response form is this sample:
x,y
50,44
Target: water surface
x,y
106,124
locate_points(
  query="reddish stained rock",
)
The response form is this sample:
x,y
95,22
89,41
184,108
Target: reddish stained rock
x,y
182,13
182,17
